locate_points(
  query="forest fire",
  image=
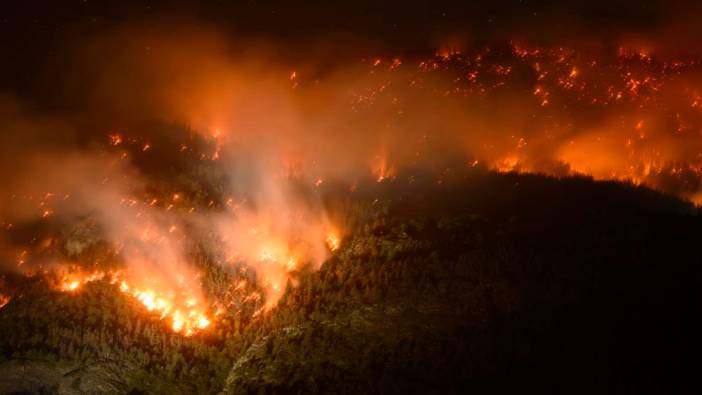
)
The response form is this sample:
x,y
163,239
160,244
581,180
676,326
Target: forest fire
x,y
180,308
4,299
176,298
387,197
629,116
382,170
243,189
74,282
186,318
333,241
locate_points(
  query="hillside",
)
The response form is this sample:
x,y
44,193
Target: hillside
x,y
486,282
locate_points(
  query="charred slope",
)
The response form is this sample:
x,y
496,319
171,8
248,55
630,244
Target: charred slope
x,y
496,284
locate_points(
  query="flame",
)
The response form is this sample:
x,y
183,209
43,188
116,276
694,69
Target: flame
x,y
292,264
73,282
650,128
71,286
510,163
333,241
382,170
4,300
186,313
115,139
150,245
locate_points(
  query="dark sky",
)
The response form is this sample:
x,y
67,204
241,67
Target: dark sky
x,y
402,22
33,33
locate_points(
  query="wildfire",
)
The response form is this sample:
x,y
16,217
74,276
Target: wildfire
x,y
217,137
186,317
4,300
549,130
382,170
175,298
510,163
73,282
71,286
22,258
619,88
333,242
291,265
115,139
182,310
152,240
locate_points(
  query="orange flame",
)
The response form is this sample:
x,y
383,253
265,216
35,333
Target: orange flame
x,y
185,313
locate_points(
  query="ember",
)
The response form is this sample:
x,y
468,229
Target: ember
x,y
241,180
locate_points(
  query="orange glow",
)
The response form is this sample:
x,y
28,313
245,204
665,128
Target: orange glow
x,y
507,164
185,312
22,258
382,170
626,116
333,241
4,300
115,139
292,264
74,281
72,286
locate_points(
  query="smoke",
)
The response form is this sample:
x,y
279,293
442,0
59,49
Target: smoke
x,y
272,223
262,133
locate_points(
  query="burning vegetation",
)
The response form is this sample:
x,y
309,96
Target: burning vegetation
x,y
257,165
234,197
258,212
